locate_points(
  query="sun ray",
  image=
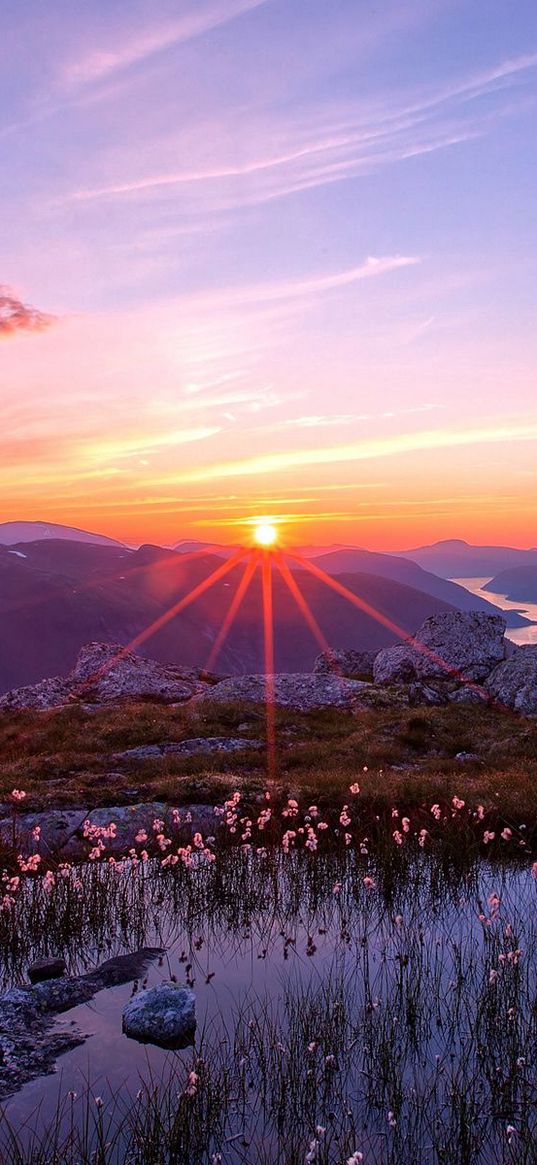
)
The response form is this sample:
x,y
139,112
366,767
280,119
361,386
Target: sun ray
x,y
302,603
268,638
171,613
384,620
238,597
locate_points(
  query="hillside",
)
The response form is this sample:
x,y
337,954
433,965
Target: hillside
x,y
455,558
11,533
61,595
519,584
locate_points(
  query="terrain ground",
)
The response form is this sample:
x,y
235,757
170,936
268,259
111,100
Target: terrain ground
x,y
65,758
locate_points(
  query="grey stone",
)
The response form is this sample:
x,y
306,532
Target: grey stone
x,y
42,969
424,694
163,1015
514,682
303,692
395,665
187,748
460,644
466,695
349,663
453,645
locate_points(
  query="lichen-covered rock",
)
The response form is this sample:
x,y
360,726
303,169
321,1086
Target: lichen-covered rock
x,y
345,663
52,693
163,1015
106,673
304,692
460,644
191,747
395,665
514,682
451,646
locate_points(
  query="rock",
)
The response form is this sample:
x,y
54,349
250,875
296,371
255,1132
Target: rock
x,y
52,693
107,673
187,748
395,665
43,969
424,694
514,682
467,695
467,756
453,645
352,664
303,692
29,1046
56,829
163,1015
460,644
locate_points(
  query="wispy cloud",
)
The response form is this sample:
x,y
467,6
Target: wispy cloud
x,y
365,450
318,145
16,316
104,62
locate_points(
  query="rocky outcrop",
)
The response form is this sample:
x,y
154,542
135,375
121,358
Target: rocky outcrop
x,y
303,692
106,673
514,682
351,664
455,645
164,1015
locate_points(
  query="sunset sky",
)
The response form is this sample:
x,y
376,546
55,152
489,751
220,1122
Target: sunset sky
x,y
280,260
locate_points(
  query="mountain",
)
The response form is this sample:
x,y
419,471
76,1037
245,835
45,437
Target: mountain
x,y
12,533
190,546
519,584
454,558
57,595
403,570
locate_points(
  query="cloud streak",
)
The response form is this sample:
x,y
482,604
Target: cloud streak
x,y
16,316
364,450
103,63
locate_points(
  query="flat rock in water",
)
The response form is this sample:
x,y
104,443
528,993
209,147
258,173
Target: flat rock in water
x,y
163,1015
43,969
303,692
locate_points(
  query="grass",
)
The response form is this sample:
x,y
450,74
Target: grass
x,y
60,757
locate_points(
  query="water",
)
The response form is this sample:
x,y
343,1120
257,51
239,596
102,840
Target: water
x,y
392,982
529,610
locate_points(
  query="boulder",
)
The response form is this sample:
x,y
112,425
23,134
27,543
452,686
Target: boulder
x,y
514,682
163,1015
395,665
457,644
106,673
345,663
303,692
450,646
110,673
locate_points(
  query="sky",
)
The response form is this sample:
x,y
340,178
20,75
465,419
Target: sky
x,y
270,258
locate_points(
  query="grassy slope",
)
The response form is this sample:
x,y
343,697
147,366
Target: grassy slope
x,y
60,758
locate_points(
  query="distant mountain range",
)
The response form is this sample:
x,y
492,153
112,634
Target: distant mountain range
x,y
57,594
12,533
457,559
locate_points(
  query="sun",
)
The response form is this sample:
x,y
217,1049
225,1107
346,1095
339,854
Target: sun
x,y
265,534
